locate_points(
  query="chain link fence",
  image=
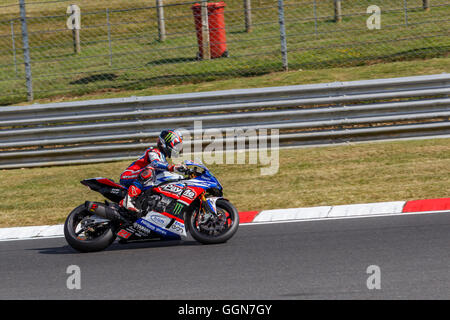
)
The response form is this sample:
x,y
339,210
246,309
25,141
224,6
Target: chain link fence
x,y
62,47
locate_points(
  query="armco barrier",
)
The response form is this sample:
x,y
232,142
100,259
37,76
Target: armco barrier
x,y
121,128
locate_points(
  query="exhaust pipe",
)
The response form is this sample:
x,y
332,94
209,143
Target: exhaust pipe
x,y
103,211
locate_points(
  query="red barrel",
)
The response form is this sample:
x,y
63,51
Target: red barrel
x,y
216,23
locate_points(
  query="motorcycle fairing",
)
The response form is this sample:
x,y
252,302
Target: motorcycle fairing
x,y
166,176
182,192
163,224
190,194
107,187
205,180
212,203
171,190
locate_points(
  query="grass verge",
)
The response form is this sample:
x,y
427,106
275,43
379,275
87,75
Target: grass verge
x,y
363,173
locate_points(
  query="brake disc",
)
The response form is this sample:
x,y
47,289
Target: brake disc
x,y
210,223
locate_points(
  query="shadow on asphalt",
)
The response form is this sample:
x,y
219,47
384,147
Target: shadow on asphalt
x,y
118,247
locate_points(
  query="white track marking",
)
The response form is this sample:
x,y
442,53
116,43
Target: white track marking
x,y
345,217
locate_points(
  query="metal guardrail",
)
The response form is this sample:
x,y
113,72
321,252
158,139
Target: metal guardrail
x,y
117,129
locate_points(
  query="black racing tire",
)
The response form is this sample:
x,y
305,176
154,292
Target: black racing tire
x,y
97,244
207,239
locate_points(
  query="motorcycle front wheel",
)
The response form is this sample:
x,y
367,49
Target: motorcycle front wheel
x,y
85,234
217,229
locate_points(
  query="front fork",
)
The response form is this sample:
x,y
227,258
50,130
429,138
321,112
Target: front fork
x,y
208,209
208,205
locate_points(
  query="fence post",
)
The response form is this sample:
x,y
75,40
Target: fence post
x,y
76,41
315,16
74,23
14,46
206,53
426,5
337,11
282,34
405,7
248,15
109,36
161,22
26,50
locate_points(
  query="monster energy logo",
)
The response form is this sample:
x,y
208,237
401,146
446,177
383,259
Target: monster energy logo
x,y
169,137
178,208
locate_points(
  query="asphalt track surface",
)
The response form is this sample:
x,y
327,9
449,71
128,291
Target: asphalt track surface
x,y
299,260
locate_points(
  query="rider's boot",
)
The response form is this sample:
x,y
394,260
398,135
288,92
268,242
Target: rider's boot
x,y
129,202
145,178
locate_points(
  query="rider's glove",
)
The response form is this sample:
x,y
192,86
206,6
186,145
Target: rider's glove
x,y
179,168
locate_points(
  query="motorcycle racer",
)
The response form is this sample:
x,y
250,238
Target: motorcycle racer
x,y
142,172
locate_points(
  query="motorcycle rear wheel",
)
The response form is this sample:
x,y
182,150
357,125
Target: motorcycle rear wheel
x,y
205,238
97,242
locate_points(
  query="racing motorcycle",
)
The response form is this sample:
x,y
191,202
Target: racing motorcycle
x,y
172,207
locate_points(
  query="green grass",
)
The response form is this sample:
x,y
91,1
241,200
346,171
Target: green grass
x,y
363,173
141,62
293,77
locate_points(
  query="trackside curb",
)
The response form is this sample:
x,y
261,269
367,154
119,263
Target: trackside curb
x,y
352,210
275,215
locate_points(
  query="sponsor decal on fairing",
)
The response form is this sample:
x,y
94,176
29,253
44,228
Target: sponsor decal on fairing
x,y
173,188
190,194
159,230
178,228
157,219
162,224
